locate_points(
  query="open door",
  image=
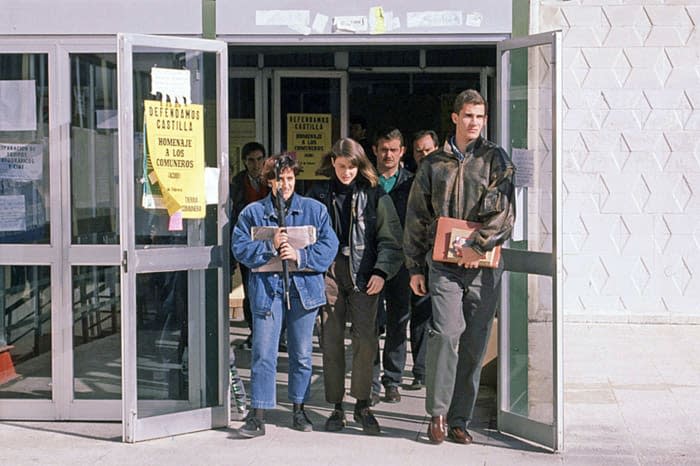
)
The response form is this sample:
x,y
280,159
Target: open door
x,y
530,402
173,185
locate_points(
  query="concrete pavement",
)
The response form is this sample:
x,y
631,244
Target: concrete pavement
x,y
632,396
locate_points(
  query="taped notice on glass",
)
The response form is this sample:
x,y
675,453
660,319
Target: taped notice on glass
x,y
172,84
524,161
17,105
12,213
21,162
433,19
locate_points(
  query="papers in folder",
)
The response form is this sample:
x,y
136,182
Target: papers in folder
x,y
299,238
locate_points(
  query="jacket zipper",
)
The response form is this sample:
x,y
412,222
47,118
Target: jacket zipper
x,y
353,201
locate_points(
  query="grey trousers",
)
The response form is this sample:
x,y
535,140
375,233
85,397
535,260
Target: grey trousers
x,y
464,305
344,302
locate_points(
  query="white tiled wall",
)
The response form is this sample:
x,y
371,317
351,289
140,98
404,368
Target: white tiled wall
x,y
631,100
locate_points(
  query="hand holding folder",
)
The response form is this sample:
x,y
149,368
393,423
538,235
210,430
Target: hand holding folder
x,y
452,235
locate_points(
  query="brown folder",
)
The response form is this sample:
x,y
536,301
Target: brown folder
x,y
452,234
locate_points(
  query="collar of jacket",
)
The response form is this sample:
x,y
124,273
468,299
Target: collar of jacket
x,y
451,148
271,211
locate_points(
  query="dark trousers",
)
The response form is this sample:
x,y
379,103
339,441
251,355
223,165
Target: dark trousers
x,y
421,311
343,302
397,298
464,305
247,314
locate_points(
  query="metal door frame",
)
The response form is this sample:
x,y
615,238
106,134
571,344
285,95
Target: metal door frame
x,y
136,260
538,263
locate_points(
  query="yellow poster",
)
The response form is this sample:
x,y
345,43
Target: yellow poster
x,y
175,148
309,136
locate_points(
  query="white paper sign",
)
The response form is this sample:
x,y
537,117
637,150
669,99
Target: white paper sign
x,y
171,83
524,161
433,19
319,24
21,162
211,184
12,213
474,19
18,105
350,23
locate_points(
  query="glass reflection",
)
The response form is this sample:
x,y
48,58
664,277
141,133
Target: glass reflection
x,y
161,339
25,332
24,149
96,333
531,385
94,149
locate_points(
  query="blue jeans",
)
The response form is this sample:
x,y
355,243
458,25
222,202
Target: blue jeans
x,y
267,324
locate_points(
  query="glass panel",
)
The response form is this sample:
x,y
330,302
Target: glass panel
x,y
531,384
94,156
96,333
170,160
24,148
530,103
531,331
177,367
242,123
310,96
25,331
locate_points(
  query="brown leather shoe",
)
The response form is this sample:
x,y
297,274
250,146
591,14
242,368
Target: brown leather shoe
x,y
436,429
459,435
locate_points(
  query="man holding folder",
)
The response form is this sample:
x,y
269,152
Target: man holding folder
x,y
469,179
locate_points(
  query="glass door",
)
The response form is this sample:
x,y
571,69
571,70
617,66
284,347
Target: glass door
x,y
29,231
530,402
173,166
310,114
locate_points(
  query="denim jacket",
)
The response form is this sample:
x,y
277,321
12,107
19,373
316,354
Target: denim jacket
x,y
314,259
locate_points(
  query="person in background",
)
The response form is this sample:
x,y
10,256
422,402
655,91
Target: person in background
x,y
267,297
394,179
358,132
470,178
369,253
424,143
246,187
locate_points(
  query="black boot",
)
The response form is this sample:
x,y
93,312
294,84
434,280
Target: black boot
x,y
300,421
254,424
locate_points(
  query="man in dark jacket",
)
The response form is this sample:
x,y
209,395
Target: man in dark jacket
x,y
389,149
469,179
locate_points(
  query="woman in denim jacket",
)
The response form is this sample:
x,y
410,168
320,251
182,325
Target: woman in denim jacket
x,y
306,289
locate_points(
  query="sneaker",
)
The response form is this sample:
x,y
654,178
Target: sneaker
x,y
253,427
391,394
374,399
364,416
417,384
301,422
336,422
